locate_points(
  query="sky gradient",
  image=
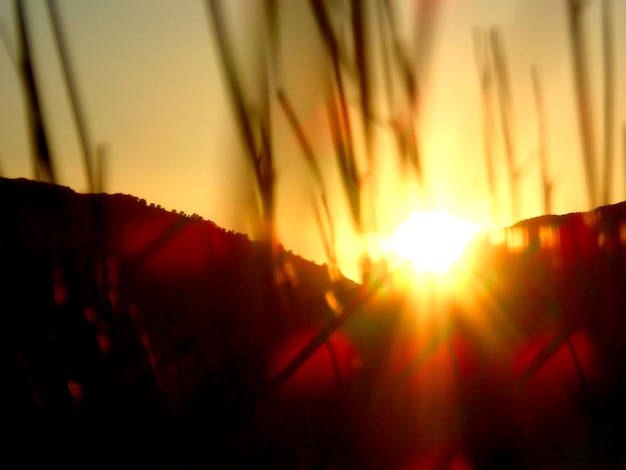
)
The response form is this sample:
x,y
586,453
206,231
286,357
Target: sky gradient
x,y
154,99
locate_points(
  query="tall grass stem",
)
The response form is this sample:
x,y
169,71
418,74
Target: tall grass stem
x,y
485,75
575,10
75,102
43,167
609,96
546,183
503,89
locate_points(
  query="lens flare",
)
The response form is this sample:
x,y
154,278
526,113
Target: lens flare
x,y
432,241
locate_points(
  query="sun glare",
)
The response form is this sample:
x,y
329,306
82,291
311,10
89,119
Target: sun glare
x,y
432,241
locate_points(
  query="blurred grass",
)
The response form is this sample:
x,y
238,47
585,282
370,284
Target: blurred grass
x,y
372,85
485,75
326,229
503,91
254,124
608,54
575,10
348,39
546,181
43,167
84,139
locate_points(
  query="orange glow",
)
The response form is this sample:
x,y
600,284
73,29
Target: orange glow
x,y
431,240
549,236
517,239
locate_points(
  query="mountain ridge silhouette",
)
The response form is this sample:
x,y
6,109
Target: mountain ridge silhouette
x,y
134,336
159,303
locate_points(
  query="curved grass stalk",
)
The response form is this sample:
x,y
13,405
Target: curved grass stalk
x,y
546,182
503,89
328,235
485,74
575,9
77,108
609,98
43,167
404,127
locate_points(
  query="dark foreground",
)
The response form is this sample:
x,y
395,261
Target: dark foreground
x,y
138,338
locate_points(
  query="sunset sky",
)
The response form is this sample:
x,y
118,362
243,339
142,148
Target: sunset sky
x,y
154,99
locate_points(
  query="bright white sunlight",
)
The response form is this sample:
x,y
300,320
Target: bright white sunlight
x,y
431,240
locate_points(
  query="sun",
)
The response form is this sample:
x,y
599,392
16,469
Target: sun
x,y
431,240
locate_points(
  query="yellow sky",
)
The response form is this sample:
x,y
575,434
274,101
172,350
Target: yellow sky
x,y
154,98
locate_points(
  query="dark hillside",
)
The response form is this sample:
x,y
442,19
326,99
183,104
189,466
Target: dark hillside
x,y
136,337
156,317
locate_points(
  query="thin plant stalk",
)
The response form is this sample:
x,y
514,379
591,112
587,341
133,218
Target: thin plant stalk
x,y
562,338
485,74
5,43
272,18
361,33
546,183
506,114
425,33
307,148
360,36
425,30
359,297
609,94
70,80
340,119
624,157
386,61
260,159
583,95
328,235
101,159
404,128
216,18
42,159
4,35
269,68
345,159
256,132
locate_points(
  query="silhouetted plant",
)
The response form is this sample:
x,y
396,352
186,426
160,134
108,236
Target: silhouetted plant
x,y
43,167
75,102
575,10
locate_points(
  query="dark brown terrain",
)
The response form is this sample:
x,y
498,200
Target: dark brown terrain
x,y
138,338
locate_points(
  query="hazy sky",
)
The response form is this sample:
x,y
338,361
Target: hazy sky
x,y
154,97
